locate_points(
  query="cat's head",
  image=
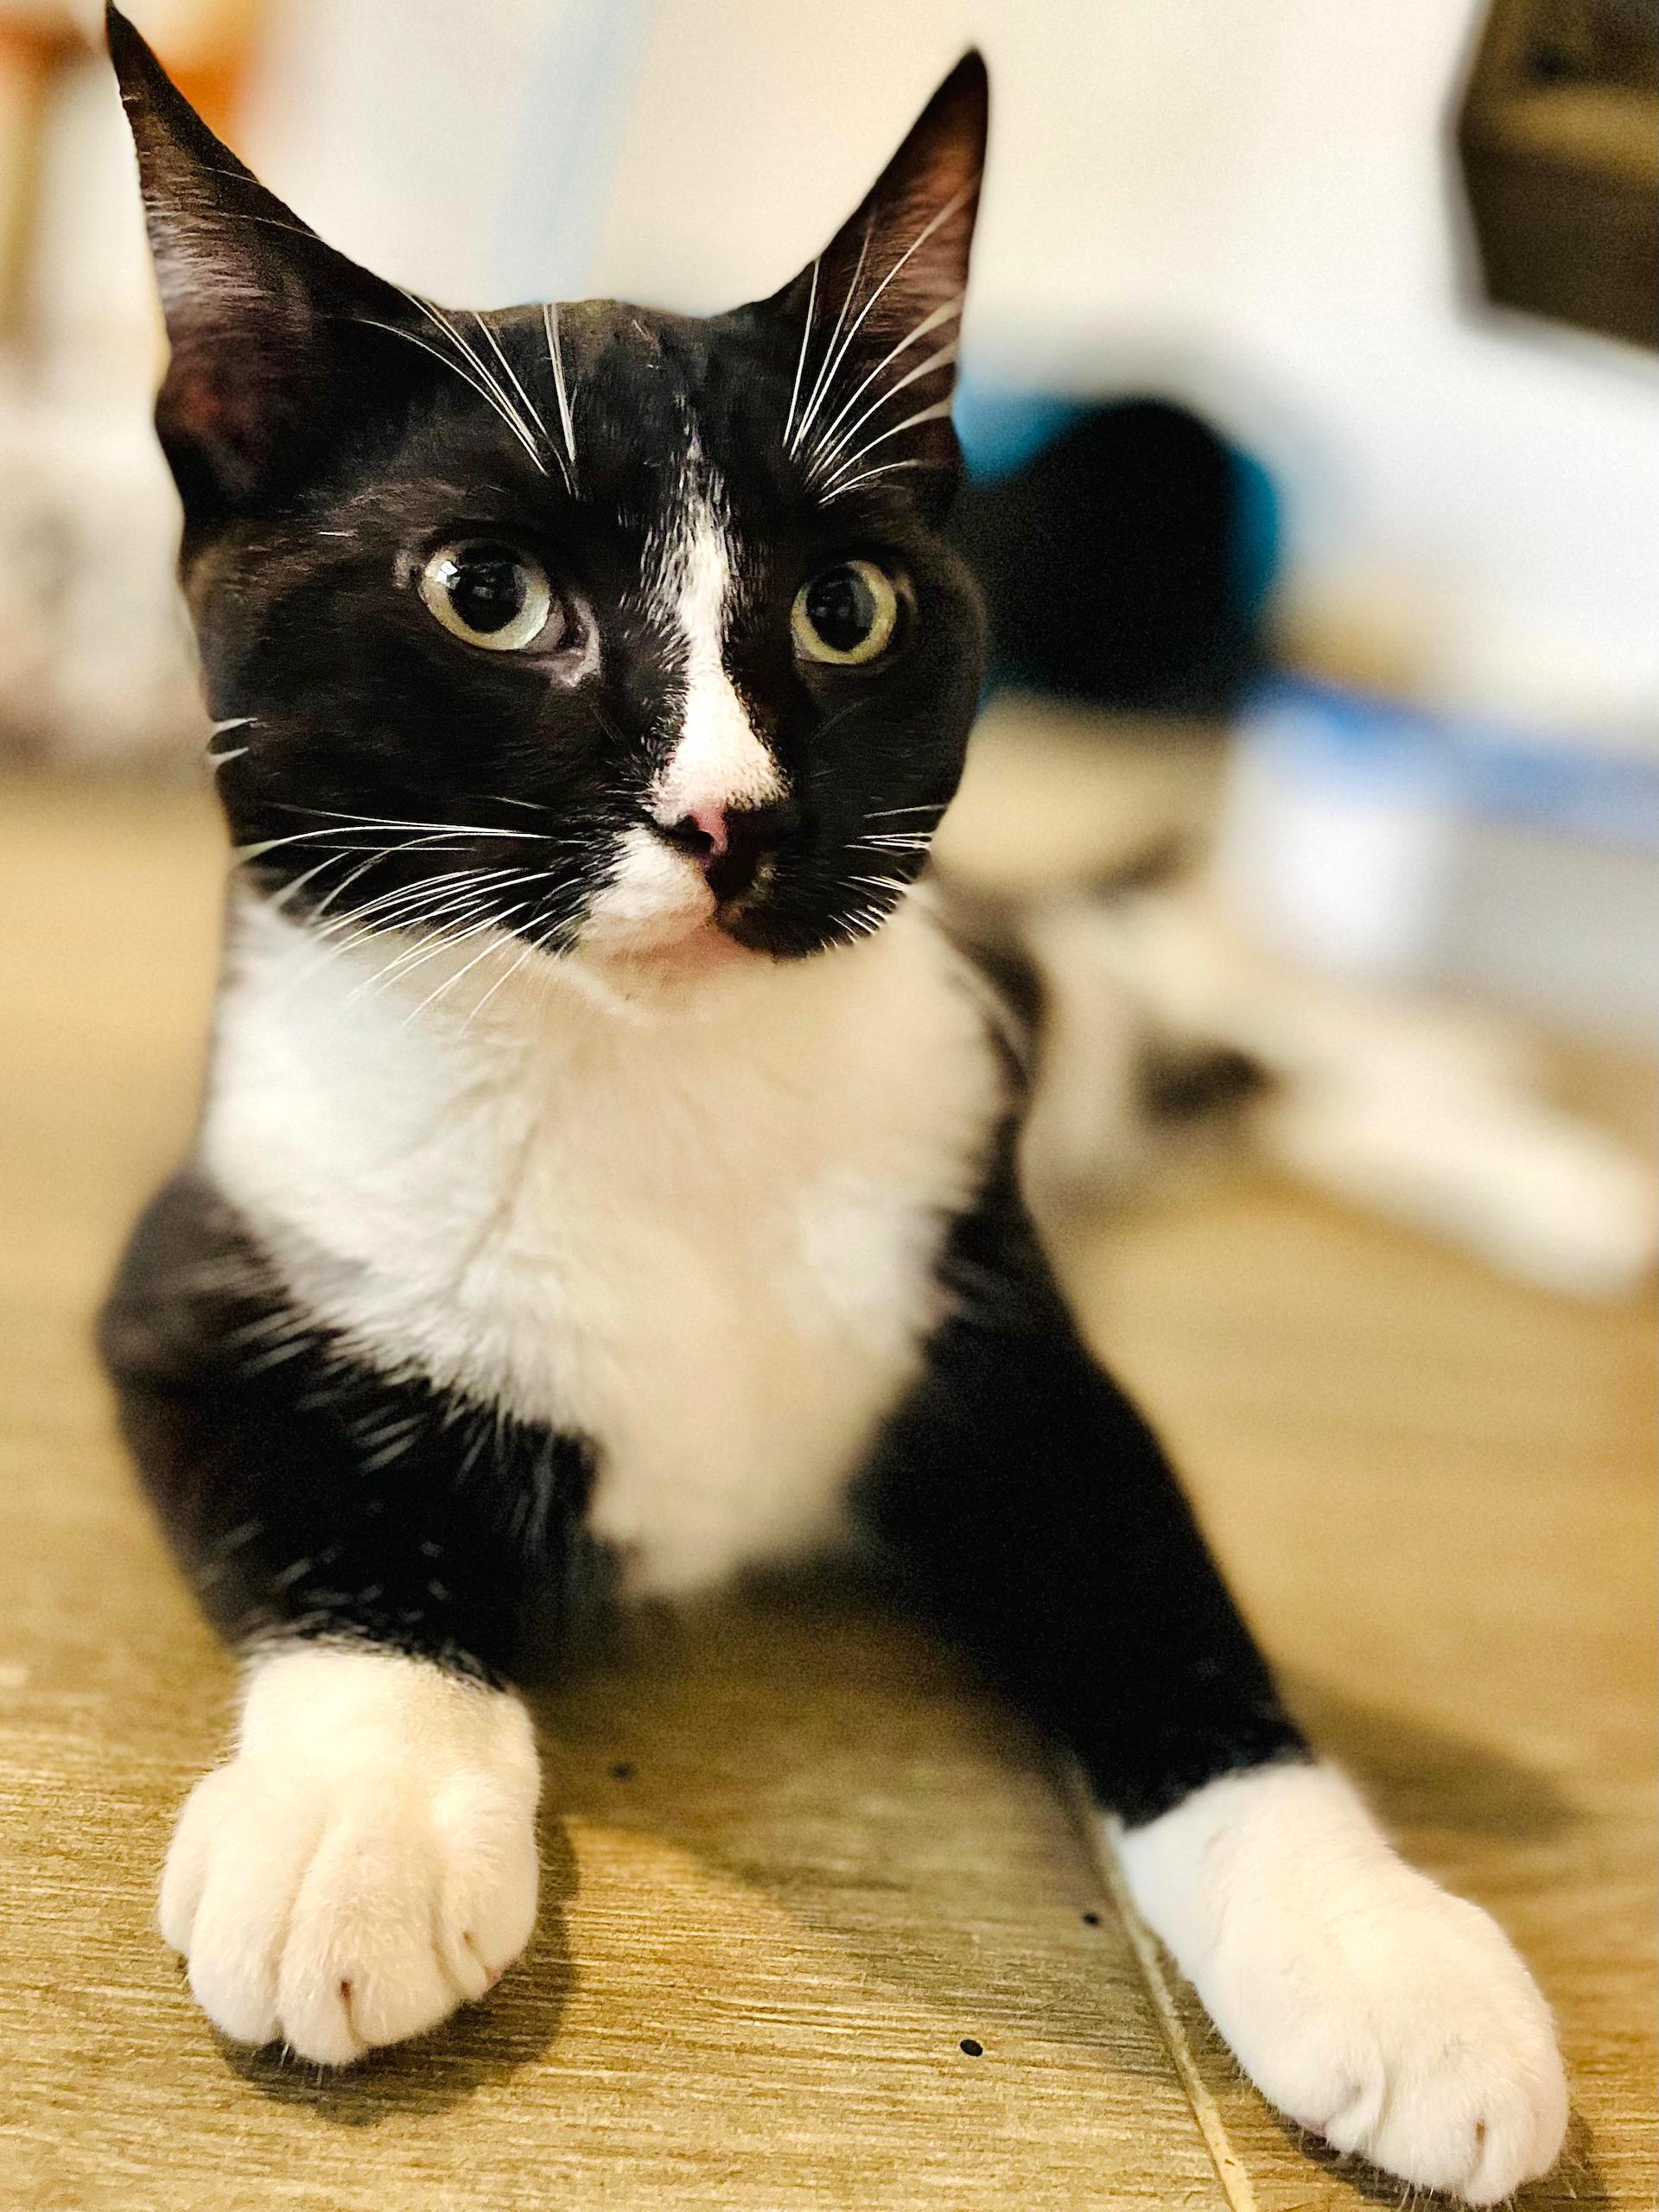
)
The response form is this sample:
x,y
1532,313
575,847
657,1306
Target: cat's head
x,y
631,633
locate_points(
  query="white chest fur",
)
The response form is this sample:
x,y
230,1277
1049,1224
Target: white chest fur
x,y
698,1230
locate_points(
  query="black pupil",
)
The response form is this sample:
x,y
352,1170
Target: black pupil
x,y
841,606
487,586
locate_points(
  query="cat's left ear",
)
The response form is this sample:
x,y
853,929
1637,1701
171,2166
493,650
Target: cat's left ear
x,y
275,336
878,311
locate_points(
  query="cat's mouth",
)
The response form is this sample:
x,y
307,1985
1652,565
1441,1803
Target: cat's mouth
x,y
659,910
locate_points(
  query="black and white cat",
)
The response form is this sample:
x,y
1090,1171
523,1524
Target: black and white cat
x,y
607,1168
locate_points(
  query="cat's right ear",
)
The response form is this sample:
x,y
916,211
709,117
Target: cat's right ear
x,y
877,310
270,330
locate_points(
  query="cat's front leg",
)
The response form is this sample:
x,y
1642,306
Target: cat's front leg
x,y
376,1547
365,1862
1031,1505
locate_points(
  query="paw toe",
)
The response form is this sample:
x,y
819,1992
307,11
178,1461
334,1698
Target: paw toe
x,y
347,1915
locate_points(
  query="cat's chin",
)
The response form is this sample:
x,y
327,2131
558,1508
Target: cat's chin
x,y
684,956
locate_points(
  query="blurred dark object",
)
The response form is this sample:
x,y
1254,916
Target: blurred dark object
x,y
1560,141
1121,563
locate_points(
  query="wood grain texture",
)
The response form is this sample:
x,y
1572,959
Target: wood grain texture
x,y
829,1859
794,1857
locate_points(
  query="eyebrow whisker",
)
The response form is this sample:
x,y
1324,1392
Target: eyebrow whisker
x,y
484,391
885,469
806,339
928,323
488,382
952,207
822,456
555,356
826,365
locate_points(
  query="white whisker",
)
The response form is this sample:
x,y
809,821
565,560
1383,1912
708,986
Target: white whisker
x,y
392,822
449,984
951,208
463,921
806,339
456,368
530,949
822,455
940,407
555,355
233,722
928,323
292,890
487,382
885,469
495,343
400,909
410,898
820,380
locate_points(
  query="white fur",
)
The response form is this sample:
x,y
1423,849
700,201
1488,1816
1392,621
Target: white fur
x,y
365,1862
656,898
1431,1113
695,1225
1378,2012
719,760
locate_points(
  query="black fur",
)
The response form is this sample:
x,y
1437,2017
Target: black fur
x,y
327,437
322,451
1028,1506
307,1492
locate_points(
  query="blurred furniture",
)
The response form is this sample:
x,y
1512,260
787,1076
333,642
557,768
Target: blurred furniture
x,y
38,41
43,43
1559,142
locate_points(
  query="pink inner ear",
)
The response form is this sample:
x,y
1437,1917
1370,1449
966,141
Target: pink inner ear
x,y
218,401
201,402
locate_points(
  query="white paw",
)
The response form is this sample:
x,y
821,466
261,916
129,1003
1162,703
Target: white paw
x,y
1376,2011
364,1864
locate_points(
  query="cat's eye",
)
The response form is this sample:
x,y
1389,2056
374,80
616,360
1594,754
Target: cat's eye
x,y
845,615
492,595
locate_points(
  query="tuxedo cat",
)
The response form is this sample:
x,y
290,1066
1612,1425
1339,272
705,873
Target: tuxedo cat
x,y
606,1171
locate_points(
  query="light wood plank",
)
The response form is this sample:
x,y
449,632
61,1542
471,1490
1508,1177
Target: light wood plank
x,y
831,1859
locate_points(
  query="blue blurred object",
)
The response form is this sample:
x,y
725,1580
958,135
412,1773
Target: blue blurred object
x,y
1326,731
1411,845
1125,549
1002,429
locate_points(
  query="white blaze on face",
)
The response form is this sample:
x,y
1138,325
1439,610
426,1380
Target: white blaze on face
x,y
717,765
718,761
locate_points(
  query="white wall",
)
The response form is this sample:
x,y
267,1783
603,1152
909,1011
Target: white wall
x,y
1244,201
1247,200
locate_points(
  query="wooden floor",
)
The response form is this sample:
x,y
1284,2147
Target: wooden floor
x,y
818,1929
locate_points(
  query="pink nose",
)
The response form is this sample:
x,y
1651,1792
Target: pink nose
x,y
710,823
730,844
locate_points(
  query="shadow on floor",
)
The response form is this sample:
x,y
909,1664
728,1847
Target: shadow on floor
x,y
1577,2178
1421,1776
806,1740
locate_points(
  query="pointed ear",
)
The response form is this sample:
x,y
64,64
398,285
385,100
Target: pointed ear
x,y
878,311
270,329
